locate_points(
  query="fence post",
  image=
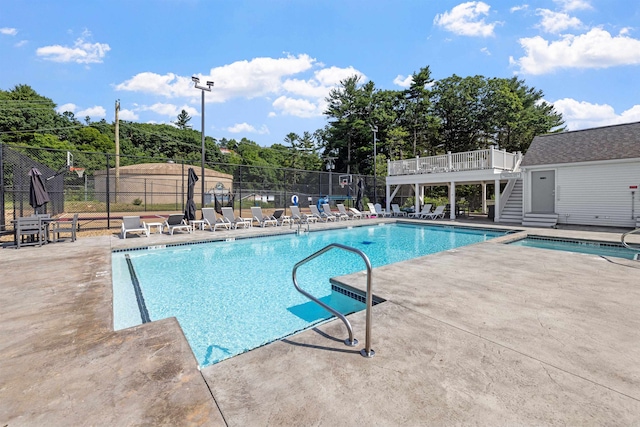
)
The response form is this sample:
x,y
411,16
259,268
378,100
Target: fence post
x,y
2,220
108,198
183,206
240,187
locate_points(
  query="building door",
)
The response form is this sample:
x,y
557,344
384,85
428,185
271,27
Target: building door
x,y
543,191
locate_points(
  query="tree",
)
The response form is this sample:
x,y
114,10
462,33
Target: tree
x,y
182,121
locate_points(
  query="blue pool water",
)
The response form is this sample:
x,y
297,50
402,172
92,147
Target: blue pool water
x,y
230,297
580,246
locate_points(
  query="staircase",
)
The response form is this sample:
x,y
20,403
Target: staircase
x,y
540,220
512,211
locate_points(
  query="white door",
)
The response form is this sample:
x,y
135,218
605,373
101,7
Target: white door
x,y
543,191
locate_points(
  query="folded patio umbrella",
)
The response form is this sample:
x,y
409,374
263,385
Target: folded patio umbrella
x,y
38,195
190,211
360,195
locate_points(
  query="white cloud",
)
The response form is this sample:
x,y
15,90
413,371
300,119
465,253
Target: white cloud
x,y
556,22
67,107
169,110
298,107
259,77
93,112
82,52
584,115
403,81
517,8
128,115
21,43
8,31
486,51
467,19
595,49
569,5
247,128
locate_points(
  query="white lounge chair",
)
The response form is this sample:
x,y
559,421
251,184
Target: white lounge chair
x,y
212,221
426,210
299,217
380,211
233,220
340,216
372,211
132,224
437,213
177,222
324,216
395,210
344,213
358,214
256,211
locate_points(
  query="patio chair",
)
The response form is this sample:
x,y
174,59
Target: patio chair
x,y
324,216
372,211
234,220
31,227
395,210
212,221
177,222
132,224
297,216
256,211
344,212
426,210
381,211
437,213
357,214
279,216
59,226
339,215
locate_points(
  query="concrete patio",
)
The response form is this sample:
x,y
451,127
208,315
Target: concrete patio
x,y
488,334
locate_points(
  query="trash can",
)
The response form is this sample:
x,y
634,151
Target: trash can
x,y
492,212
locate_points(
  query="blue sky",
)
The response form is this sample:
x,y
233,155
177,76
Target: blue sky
x,y
274,62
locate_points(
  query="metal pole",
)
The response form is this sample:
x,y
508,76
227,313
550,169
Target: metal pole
x,y
374,129
202,171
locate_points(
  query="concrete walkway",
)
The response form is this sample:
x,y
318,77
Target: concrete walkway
x,y
487,334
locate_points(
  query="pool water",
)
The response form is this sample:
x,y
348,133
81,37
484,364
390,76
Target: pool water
x,y
579,246
230,297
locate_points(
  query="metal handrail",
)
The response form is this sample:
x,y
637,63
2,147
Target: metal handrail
x,y
625,244
351,341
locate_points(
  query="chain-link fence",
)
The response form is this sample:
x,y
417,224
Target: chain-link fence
x,y
92,185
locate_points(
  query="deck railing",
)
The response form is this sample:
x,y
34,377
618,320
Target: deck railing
x,y
456,162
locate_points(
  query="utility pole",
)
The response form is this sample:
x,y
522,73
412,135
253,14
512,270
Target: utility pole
x,y
117,131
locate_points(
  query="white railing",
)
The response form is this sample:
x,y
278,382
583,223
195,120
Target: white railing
x,y
456,162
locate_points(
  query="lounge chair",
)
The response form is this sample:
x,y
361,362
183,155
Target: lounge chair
x,y
437,213
58,227
234,220
344,212
279,216
212,221
426,210
357,214
381,211
256,211
177,222
324,216
301,218
395,210
372,210
132,224
339,215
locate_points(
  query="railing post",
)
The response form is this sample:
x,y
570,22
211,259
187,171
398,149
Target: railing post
x,y
449,165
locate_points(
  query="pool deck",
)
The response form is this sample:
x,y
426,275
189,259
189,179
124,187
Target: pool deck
x,y
487,334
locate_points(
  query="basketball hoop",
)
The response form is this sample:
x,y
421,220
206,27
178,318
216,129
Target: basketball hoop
x,y
79,171
344,183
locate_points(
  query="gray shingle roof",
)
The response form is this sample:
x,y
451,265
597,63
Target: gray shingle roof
x,y
603,143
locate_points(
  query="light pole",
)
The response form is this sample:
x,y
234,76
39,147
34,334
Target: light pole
x,y
374,129
208,87
330,167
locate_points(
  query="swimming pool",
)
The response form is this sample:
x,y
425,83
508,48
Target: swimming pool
x,y
579,246
230,297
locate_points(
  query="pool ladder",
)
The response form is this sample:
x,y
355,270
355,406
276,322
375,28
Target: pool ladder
x,y
628,246
351,341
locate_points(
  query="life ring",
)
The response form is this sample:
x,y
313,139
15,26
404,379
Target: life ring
x,y
294,200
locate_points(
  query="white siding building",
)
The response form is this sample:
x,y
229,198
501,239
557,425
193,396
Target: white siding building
x,y
586,177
